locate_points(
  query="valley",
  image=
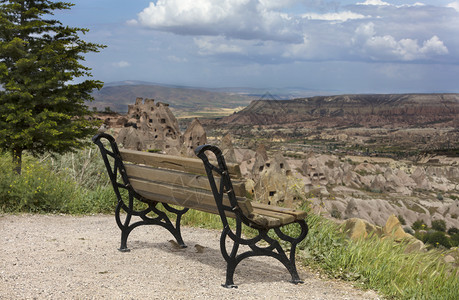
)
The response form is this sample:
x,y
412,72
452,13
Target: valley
x,y
350,156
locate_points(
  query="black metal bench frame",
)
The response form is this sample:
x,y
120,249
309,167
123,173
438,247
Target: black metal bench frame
x,y
120,180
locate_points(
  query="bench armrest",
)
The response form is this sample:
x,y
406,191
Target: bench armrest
x,y
225,186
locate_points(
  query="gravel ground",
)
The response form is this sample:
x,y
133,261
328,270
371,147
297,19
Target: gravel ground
x,y
67,257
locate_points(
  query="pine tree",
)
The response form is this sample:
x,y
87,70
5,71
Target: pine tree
x,y
42,109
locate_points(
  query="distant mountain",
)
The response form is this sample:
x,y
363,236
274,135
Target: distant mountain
x,y
118,95
386,110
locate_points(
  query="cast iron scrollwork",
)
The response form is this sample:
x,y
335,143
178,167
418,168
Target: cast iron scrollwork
x,y
274,248
120,182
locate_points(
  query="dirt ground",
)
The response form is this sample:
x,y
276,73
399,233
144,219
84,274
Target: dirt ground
x,y
68,257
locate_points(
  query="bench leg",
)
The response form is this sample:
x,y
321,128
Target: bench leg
x,y
162,220
124,237
230,268
124,227
274,249
290,261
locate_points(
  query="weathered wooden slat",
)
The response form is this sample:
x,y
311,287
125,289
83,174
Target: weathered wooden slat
x,y
178,195
166,199
264,221
184,164
245,206
298,214
282,217
204,201
178,178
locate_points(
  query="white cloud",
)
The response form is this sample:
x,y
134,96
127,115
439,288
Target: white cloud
x,y
216,45
275,31
387,4
300,51
121,64
374,2
132,22
181,12
337,16
386,47
454,5
245,19
276,4
434,46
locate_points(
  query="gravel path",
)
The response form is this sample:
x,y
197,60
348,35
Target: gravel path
x,y
67,257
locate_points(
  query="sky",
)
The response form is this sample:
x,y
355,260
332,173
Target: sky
x,y
352,46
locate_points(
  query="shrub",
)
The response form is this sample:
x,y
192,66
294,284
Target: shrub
x,y
437,238
401,219
439,225
418,224
455,240
72,183
335,213
408,230
453,231
37,189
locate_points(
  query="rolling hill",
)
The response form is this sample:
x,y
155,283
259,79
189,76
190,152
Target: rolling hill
x,y
385,110
119,95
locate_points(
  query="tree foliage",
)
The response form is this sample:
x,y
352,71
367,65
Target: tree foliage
x,y
42,109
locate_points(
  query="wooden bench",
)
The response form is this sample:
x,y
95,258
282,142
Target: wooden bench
x,y
207,185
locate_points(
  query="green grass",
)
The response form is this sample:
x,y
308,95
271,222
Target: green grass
x,y
379,264
370,263
74,183
77,184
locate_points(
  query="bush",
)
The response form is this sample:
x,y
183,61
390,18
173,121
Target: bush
x,y
453,230
437,238
335,213
401,219
37,189
439,225
408,230
72,183
418,224
455,240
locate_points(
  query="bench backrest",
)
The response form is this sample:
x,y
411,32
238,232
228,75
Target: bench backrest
x,y
210,186
179,181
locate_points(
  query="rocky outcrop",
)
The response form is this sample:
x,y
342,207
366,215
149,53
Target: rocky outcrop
x,y
388,177
273,181
194,136
357,228
392,111
372,188
227,148
150,126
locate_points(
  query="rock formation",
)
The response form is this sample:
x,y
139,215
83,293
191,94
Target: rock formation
x,y
227,148
358,228
274,183
150,126
390,110
194,136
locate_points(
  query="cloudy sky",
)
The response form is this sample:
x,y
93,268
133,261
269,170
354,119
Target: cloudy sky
x,y
352,46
